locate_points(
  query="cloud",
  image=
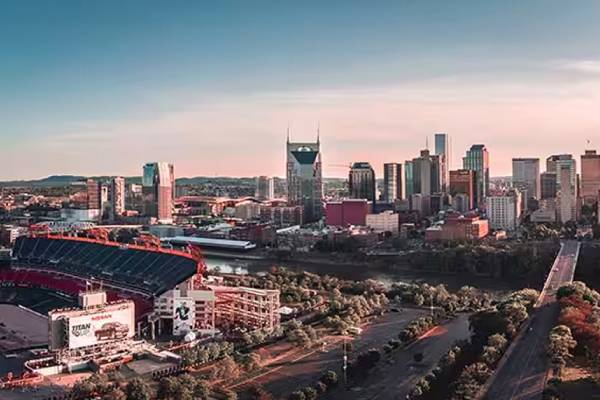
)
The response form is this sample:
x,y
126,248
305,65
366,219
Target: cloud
x,y
584,66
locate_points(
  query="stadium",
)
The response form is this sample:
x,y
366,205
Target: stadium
x,y
156,278
127,294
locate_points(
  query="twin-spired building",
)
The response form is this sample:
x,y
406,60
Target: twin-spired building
x,y
304,178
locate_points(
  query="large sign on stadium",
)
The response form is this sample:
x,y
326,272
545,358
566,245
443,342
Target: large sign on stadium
x,y
92,327
184,313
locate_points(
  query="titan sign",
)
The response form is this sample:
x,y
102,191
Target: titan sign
x,y
101,327
184,313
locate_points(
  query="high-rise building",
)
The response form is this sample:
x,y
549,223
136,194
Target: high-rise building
x,y
117,197
504,212
526,178
443,150
392,182
158,191
566,185
590,176
93,195
426,176
462,181
361,181
477,159
548,185
304,178
265,188
409,183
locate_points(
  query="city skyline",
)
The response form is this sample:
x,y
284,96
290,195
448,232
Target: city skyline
x,y
210,88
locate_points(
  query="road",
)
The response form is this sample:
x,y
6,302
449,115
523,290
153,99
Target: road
x,y
522,374
394,378
285,376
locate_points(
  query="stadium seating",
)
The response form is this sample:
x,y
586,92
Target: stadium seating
x,y
149,271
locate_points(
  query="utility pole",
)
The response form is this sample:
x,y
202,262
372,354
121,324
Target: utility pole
x,y
345,365
431,304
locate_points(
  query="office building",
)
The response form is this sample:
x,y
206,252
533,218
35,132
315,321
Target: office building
x,y
477,159
304,178
408,179
590,176
526,178
566,185
548,185
426,174
265,188
361,181
504,212
460,228
117,198
94,194
392,182
387,221
462,181
443,150
158,191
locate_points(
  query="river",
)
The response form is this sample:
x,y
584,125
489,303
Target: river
x,y
359,272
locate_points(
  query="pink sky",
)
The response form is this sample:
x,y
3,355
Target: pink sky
x,y
245,135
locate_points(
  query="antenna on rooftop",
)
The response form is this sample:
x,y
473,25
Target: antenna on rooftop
x,y
427,142
318,132
288,133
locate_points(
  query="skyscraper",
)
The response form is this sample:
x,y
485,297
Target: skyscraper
x,y
526,177
409,183
443,150
462,181
566,185
158,191
590,176
361,181
426,174
117,197
548,184
265,188
392,182
304,178
477,159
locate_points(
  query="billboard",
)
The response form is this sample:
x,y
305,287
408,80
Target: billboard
x,y
104,325
184,312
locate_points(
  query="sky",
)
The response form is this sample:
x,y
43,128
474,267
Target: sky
x,y
101,87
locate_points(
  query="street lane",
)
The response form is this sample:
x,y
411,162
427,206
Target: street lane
x,y
522,375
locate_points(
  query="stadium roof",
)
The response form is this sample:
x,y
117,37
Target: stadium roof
x,y
210,242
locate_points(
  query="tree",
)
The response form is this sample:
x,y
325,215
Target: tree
x,y
560,345
310,393
330,378
138,389
297,395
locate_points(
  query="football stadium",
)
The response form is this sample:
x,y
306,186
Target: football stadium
x,y
165,288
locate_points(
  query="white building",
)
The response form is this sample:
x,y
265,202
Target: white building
x,y
566,182
386,221
504,212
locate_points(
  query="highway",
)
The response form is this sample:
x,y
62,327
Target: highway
x,y
521,374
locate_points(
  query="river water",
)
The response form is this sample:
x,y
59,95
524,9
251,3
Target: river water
x,y
359,272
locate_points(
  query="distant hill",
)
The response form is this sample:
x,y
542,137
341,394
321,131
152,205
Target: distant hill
x,y
68,180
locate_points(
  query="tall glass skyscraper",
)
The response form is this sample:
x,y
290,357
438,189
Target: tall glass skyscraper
x,y
477,159
442,149
158,191
362,181
392,182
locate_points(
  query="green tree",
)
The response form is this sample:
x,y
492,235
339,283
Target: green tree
x,y
138,389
